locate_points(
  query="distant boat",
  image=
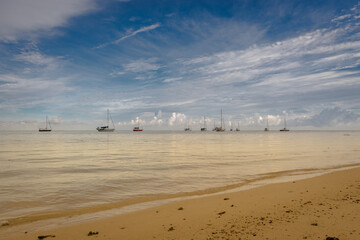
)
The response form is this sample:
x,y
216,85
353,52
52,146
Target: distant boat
x,y
238,128
204,129
267,125
106,128
187,129
220,129
138,129
46,129
284,129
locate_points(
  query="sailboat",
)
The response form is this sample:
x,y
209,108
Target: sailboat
x,y
46,129
220,129
238,128
106,128
187,129
284,129
267,125
138,129
203,129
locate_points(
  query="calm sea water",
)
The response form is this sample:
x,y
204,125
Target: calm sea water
x,y
50,172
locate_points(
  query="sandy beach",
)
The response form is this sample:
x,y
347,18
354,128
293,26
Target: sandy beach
x,y
323,207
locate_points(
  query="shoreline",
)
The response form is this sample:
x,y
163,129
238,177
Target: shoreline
x,y
73,221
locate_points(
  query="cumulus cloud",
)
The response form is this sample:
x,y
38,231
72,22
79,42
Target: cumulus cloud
x,y
177,118
22,18
331,117
57,121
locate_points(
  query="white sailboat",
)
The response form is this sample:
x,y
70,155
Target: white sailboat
x,y
46,129
220,129
106,128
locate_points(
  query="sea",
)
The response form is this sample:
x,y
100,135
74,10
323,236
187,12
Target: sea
x,y
54,174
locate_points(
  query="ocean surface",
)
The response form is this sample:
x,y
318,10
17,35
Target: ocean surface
x,y
59,171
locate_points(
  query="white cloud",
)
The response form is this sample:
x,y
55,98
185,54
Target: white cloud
x,y
24,18
177,118
142,65
36,58
330,117
18,92
167,80
131,33
341,17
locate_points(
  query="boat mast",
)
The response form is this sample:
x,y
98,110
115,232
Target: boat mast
x,y
108,117
221,118
284,123
46,122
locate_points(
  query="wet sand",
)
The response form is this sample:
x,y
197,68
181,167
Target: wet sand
x,y
324,207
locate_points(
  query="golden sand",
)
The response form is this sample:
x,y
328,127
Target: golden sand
x,y
323,207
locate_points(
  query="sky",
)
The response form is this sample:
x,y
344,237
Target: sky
x,y
169,64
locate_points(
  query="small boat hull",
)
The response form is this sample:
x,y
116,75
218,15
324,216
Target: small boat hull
x,y
284,130
44,130
102,129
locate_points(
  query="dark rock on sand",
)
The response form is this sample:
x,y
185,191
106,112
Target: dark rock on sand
x,y
5,223
91,233
332,238
45,236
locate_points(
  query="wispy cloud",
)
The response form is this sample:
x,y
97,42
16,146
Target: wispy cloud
x,y
19,92
21,18
131,34
142,65
37,58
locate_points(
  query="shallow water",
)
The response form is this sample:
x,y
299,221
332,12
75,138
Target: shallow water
x,y
61,170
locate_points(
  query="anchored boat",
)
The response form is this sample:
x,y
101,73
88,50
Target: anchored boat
x,y
106,128
46,129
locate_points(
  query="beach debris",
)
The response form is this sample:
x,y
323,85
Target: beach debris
x,y
5,223
45,236
91,233
226,198
171,229
221,213
180,208
332,238
314,224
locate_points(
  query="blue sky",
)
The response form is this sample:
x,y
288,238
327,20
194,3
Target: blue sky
x,y
170,63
